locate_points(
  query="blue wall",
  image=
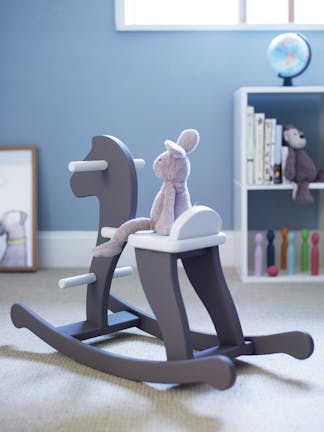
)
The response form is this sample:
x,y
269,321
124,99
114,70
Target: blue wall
x,y
67,75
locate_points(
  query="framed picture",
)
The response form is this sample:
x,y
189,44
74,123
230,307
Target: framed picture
x,y
18,208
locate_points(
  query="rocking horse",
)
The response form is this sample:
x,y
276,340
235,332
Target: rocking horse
x,y
109,172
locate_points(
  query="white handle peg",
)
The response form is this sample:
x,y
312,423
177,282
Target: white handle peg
x,y
72,281
84,166
89,278
139,163
123,271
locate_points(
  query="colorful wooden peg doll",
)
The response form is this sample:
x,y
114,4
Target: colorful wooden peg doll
x,y
315,254
304,256
258,254
270,248
284,246
291,254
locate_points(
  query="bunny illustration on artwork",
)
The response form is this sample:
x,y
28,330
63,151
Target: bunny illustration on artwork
x,y
12,226
173,167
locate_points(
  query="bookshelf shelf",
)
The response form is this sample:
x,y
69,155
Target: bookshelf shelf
x,y
259,207
283,278
284,186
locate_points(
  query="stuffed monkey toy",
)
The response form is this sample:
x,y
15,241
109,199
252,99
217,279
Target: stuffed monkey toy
x,y
299,166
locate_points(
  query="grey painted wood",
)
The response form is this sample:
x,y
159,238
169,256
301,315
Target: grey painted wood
x,y
116,189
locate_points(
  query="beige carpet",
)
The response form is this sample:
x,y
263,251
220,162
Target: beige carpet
x,y
41,390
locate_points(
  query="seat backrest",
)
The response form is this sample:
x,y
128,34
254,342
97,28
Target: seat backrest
x,y
198,221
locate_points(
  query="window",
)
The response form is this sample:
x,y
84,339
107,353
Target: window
x,y
218,14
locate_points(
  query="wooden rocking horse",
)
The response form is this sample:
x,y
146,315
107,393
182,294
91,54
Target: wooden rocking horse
x,y
109,172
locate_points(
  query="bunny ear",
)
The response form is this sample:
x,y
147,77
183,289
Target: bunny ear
x,y
174,149
23,217
188,140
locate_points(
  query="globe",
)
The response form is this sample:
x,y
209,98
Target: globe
x,y
289,54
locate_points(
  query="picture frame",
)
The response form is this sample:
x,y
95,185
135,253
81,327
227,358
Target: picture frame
x,y
18,208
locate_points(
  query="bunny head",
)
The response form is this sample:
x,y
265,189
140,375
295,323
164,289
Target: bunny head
x,y
173,164
12,223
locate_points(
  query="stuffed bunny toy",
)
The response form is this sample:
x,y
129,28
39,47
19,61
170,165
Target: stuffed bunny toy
x,y
173,167
299,166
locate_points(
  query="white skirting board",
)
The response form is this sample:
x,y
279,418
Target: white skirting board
x,y
74,249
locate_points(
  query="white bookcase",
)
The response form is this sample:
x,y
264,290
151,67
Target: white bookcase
x,y
258,208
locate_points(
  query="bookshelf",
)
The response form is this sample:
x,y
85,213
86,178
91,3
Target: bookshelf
x,y
259,207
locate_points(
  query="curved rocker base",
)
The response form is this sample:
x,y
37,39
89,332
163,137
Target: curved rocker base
x,y
212,365
297,344
218,370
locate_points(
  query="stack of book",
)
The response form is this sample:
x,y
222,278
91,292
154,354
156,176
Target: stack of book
x,y
266,155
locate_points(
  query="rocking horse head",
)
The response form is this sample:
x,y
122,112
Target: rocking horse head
x,y
110,176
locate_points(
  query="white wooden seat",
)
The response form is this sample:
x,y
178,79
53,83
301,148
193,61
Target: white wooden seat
x,y
197,228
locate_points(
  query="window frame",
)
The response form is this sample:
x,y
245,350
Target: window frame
x,y
241,26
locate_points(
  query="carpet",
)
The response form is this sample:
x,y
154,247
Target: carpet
x,y
41,390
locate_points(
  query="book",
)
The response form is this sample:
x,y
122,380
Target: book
x,y
259,119
278,155
269,150
250,145
250,172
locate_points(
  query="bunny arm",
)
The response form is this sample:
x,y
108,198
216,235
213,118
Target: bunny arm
x,y
182,200
157,207
166,204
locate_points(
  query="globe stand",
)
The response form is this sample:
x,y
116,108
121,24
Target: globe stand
x,y
287,81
